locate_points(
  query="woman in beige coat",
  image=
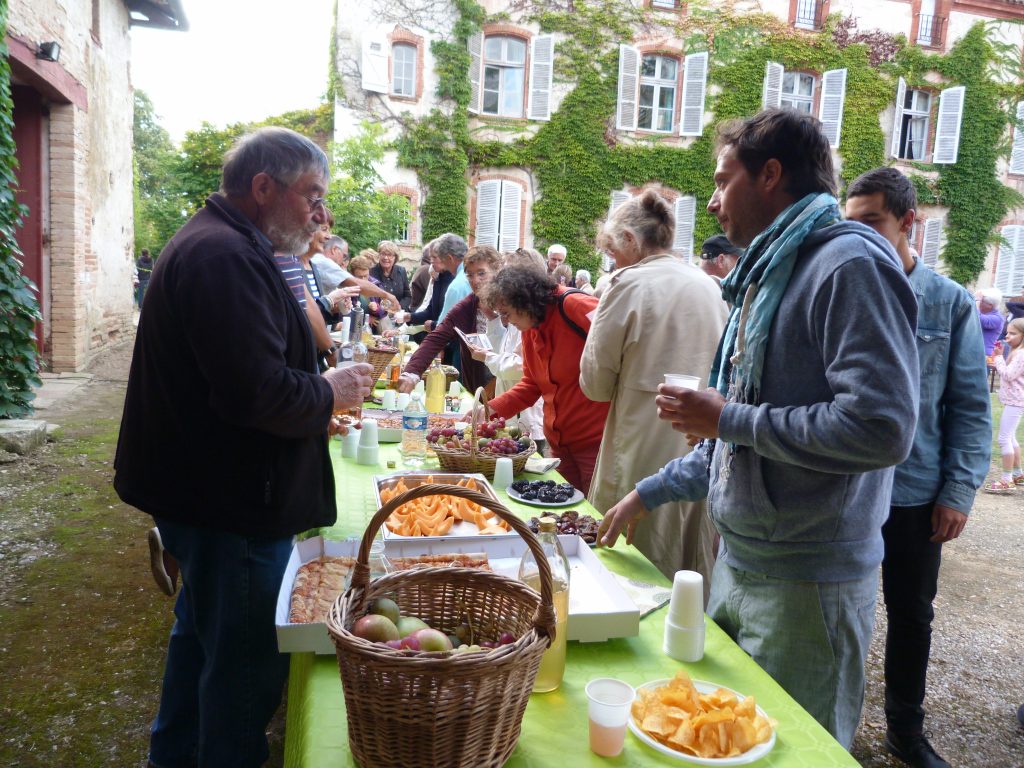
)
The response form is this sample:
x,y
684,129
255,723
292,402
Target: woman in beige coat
x,y
658,315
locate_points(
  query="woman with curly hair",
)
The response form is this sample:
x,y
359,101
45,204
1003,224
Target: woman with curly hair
x,y
554,323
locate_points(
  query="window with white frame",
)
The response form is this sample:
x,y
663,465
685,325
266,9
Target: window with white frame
x,y
498,212
504,76
796,90
911,124
658,84
498,79
808,14
1010,266
648,92
917,110
402,235
403,70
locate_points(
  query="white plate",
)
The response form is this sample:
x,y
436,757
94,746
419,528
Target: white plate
x,y
752,754
576,498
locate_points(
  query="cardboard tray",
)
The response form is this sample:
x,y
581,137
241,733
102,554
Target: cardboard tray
x,y
293,638
414,478
599,609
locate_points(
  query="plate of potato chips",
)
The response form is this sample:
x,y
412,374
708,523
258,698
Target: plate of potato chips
x,y
701,723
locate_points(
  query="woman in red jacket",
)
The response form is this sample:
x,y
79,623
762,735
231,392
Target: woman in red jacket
x,y
554,324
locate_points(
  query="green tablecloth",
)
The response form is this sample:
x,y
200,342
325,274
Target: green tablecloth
x,y
555,726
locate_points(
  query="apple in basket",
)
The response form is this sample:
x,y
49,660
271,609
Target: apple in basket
x,y
375,628
432,640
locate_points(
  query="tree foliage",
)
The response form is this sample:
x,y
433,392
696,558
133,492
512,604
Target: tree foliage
x,y
159,209
363,214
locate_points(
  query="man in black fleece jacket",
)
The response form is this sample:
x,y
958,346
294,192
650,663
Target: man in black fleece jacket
x,y
224,442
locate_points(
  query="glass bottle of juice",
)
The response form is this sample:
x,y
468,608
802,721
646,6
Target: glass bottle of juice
x,y
436,383
352,351
552,664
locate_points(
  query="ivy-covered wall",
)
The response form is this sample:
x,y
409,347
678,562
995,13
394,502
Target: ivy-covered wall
x,y
19,308
577,159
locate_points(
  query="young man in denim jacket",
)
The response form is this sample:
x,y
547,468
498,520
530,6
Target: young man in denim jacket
x,y
933,490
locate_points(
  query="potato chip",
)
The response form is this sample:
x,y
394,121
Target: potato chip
x,y
710,725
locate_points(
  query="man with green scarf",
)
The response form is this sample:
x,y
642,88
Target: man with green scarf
x,y
815,401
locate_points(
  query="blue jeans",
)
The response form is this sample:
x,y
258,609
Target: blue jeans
x,y
224,674
811,637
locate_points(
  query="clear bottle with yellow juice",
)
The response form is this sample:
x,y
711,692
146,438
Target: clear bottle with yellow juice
x,y
552,664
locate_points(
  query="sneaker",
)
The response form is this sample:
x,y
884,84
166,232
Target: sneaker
x,y
1018,480
913,750
163,566
1000,486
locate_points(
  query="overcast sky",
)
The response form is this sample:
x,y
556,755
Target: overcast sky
x,y
240,60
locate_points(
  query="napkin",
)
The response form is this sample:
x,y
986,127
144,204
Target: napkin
x,y
647,597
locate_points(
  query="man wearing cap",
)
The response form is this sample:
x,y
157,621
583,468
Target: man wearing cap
x,y
556,256
718,256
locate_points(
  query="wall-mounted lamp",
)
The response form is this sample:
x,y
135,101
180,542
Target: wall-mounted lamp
x,y
48,51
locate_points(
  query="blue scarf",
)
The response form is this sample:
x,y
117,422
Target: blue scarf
x,y
754,290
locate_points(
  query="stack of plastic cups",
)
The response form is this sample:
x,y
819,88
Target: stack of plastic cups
x,y
368,451
684,625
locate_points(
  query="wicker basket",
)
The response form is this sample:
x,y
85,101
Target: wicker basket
x,y
410,708
469,460
379,358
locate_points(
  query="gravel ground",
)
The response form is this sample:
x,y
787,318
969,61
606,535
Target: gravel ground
x,y
975,685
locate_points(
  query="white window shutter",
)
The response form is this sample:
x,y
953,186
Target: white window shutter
x,y
686,212
542,60
833,94
947,130
629,84
1017,155
1017,273
931,242
488,198
375,64
897,124
771,95
695,83
476,64
511,199
1008,263
618,198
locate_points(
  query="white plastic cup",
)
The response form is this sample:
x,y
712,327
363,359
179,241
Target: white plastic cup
x,y
503,473
684,625
368,434
686,608
349,443
683,643
368,454
389,400
402,400
682,380
608,706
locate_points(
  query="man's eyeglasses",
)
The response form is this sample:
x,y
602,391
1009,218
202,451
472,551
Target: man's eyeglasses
x,y
708,256
314,202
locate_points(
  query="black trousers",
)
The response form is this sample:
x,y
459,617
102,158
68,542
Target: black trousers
x,y
910,574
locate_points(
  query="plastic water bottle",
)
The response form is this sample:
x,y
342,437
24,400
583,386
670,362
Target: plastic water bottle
x,y
414,431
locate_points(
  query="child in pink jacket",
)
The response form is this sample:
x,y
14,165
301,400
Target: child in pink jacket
x,y
1011,395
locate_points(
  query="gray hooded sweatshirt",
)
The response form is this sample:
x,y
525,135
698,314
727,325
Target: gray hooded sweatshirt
x,y
799,485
